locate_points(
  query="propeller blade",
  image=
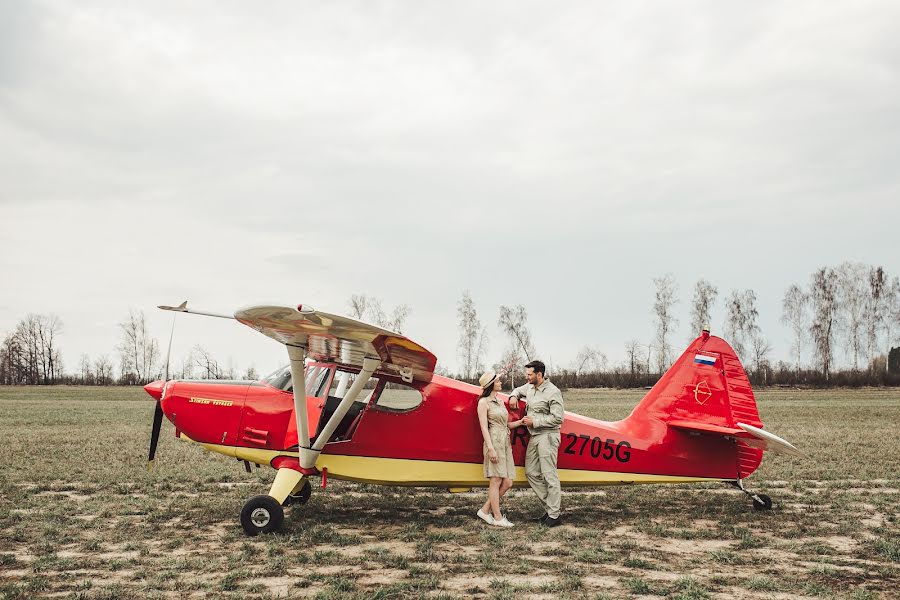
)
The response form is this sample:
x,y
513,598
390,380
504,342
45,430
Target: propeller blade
x,y
158,413
154,434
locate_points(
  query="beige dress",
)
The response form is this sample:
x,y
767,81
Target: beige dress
x,y
497,417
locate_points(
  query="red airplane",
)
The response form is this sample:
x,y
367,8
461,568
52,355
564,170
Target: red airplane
x,y
361,403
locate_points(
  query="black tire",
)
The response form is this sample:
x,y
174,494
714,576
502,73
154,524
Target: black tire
x,y
261,514
764,502
301,497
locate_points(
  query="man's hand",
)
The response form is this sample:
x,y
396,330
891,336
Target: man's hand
x,y
513,402
528,422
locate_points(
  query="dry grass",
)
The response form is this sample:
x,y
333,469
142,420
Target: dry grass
x,y
80,517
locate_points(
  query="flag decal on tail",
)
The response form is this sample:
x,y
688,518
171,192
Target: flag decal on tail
x,y
704,359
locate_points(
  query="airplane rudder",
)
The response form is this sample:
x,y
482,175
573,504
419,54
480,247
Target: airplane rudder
x,y
706,384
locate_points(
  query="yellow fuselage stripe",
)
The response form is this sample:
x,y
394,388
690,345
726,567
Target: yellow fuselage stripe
x,y
399,471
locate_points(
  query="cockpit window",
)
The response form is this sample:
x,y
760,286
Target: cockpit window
x,y
396,397
281,379
317,379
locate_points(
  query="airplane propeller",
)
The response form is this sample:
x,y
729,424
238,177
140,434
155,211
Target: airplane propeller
x,y
158,413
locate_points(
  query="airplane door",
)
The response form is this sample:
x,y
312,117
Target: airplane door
x,y
340,384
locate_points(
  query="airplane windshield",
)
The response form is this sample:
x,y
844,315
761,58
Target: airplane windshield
x,y
280,379
316,378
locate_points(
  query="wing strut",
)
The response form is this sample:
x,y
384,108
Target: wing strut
x,y
309,454
369,366
298,379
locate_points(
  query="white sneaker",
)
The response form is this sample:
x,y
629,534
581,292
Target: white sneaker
x,y
504,522
486,517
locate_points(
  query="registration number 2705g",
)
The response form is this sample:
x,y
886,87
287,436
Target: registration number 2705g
x,y
608,449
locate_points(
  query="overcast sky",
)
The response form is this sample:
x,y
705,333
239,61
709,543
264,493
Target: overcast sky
x,y
557,155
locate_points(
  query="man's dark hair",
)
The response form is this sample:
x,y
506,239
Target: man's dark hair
x,y
538,366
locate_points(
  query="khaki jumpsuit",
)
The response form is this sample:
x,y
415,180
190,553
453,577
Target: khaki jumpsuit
x,y
544,404
497,417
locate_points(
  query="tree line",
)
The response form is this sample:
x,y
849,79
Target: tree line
x,y
849,312
843,324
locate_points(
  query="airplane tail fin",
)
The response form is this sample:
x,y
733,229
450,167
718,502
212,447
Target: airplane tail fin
x,y
707,392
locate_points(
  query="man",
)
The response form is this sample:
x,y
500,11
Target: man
x,y
543,417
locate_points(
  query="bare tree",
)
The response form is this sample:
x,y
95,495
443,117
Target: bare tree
x,y
795,314
472,337
666,288
209,366
481,349
251,374
891,313
874,312
103,370
84,366
359,304
705,295
514,322
760,349
31,354
49,326
589,360
510,364
230,369
187,366
823,294
740,322
398,318
852,292
138,351
633,351
12,362
369,309
375,313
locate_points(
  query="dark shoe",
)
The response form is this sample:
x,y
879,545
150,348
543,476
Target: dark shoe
x,y
551,522
540,519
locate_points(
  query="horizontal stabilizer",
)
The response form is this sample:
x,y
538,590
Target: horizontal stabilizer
x,y
705,427
750,435
768,441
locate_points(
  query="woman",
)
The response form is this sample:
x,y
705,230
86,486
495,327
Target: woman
x,y
498,458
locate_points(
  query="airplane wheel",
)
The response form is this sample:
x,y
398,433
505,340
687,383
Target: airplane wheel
x,y
261,514
301,497
765,504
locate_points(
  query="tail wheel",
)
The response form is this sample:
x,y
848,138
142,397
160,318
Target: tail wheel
x,y
261,514
302,496
762,502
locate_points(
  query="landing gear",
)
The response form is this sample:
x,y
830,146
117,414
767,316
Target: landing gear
x,y
301,496
261,514
760,501
264,514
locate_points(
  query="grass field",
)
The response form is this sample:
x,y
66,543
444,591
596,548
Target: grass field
x,y
80,517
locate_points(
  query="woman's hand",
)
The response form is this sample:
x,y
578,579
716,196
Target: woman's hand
x,y
514,424
492,454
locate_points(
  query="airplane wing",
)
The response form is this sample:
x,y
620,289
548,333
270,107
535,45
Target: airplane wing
x,y
341,340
